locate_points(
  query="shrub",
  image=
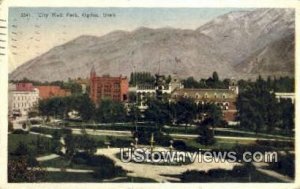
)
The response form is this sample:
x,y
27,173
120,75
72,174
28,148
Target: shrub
x,y
285,165
19,131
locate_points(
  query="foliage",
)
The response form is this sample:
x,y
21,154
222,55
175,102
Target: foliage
x,y
206,132
259,110
71,85
75,143
60,106
110,111
285,165
211,82
158,112
137,78
19,171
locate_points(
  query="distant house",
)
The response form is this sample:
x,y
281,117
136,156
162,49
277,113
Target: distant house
x,y
290,96
107,87
84,83
47,91
224,98
145,91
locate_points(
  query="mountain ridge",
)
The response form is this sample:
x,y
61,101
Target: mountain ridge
x,y
223,45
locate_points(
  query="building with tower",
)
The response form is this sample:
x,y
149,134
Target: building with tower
x,y
106,87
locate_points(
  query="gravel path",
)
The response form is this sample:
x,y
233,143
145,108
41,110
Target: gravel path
x,y
157,172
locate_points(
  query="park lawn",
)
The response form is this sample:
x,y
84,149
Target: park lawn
x,y
115,141
224,144
27,139
62,162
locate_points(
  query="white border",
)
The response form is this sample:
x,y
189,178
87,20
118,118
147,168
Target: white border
x,y
140,3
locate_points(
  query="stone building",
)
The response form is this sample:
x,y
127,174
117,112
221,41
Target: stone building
x,y
23,97
224,98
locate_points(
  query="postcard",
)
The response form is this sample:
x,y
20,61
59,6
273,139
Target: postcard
x,y
137,94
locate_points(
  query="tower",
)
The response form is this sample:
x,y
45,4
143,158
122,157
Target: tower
x,y
93,73
159,86
233,86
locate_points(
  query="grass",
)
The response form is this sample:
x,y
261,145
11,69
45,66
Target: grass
x,y
62,162
27,139
220,144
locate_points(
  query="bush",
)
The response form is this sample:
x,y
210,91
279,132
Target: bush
x,y
19,131
285,165
180,145
108,171
206,135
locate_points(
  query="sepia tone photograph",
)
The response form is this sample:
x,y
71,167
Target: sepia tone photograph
x,y
151,95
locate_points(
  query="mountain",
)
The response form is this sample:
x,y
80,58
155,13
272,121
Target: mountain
x,y
228,44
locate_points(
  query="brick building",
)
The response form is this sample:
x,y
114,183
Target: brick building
x,y
46,91
106,87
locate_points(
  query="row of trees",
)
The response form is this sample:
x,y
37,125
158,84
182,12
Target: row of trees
x,y
259,110
145,78
211,82
183,111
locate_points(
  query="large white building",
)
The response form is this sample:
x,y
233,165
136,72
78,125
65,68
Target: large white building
x,y
22,98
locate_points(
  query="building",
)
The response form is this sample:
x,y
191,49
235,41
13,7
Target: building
x,y
84,83
145,91
290,96
23,97
106,87
224,98
47,91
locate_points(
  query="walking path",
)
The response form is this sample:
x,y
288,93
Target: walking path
x,y
229,137
40,134
53,169
47,157
252,133
158,172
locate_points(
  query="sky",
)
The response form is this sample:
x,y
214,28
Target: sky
x,y
33,31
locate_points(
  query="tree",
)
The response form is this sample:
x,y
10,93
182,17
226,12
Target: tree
x,y
110,111
215,77
86,107
206,133
186,111
215,114
158,112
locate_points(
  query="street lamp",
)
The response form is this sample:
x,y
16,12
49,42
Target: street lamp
x,y
136,141
171,145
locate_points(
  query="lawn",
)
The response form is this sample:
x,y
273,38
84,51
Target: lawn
x,y
28,139
62,162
